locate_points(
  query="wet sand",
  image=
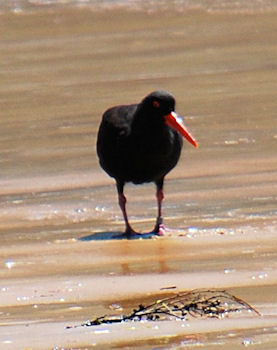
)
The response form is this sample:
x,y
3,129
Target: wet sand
x,y
60,69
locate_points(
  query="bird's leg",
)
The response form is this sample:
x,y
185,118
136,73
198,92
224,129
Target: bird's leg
x,y
122,203
159,228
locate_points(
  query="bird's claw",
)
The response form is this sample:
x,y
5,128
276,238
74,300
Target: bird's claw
x,y
160,228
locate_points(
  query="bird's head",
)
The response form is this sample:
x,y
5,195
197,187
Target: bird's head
x,y
161,105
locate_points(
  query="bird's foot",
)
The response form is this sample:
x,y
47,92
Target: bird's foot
x,y
159,229
162,230
129,233
132,234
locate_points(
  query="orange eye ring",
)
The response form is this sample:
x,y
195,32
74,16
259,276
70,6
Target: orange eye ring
x,y
156,104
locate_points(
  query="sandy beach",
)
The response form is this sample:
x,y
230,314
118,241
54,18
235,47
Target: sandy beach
x,y
62,66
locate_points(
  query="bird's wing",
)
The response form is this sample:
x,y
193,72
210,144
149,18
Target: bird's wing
x,y
113,142
117,121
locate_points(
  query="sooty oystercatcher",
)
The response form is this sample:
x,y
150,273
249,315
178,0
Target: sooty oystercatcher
x,y
141,143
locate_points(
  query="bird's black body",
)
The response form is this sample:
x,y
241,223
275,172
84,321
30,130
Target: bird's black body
x,y
131,152
135,144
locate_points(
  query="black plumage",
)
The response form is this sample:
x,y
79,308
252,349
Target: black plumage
x,y
141,143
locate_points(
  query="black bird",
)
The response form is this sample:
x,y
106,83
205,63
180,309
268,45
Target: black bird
x,y
141,143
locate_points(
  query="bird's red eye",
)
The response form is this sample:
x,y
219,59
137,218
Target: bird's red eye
x,y
156,104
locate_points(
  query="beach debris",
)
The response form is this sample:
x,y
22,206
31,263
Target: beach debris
x,y
168,287
196,303
115,306
10,264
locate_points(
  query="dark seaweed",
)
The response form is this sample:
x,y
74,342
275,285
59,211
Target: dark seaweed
x,y
197,303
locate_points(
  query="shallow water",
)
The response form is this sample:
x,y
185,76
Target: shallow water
x,y
61,67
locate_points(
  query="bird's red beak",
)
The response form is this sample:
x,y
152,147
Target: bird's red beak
x,y
176,123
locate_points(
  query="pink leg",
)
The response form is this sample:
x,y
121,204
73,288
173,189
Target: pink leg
x,y
159,228
160,197
122,203
129,232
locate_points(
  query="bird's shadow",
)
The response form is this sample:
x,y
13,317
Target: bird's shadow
x,y
114,235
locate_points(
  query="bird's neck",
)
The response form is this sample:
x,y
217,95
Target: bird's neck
x,y
144,122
